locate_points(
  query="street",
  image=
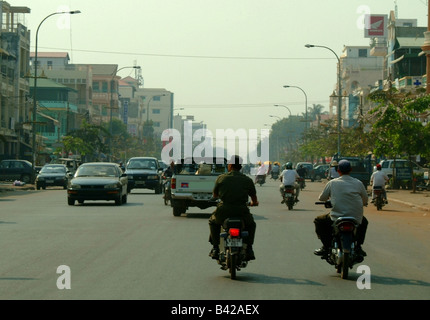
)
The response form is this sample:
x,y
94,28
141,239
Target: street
x,y
141,251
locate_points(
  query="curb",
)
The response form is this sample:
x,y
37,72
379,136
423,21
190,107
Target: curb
x,y
410,204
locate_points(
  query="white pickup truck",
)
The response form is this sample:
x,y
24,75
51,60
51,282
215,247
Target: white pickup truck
x,y
193,181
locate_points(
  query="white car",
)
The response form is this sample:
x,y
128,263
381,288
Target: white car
x,y
388,165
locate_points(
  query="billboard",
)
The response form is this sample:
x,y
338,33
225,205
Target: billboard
x,y
375,25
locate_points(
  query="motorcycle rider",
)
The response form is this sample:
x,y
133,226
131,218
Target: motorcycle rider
x,y
348,196
233,188
261,172
332,174
302,171
289,178
379,179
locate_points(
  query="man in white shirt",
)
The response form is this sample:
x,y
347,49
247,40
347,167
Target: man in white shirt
x,y
379,179
289,178
261,173
333,174
348,196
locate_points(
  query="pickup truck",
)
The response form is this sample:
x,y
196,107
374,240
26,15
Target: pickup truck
x,y
193,181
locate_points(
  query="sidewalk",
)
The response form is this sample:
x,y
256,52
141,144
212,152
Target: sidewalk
x,y
417,199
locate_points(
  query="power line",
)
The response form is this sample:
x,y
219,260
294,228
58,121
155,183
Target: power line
x,y
188,56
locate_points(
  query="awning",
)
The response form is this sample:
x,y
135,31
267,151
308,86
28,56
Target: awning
x,y
56,122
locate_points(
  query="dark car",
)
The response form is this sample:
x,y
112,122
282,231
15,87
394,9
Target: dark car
x,y
98,181
320,171
144,173
53,175
11,170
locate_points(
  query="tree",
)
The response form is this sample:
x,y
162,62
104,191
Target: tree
x,y
395,123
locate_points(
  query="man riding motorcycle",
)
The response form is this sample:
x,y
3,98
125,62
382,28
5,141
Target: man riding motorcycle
x,y
379,179
348,196
289,178
233,188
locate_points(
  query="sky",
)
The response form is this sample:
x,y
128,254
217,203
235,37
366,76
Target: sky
x,y
225,61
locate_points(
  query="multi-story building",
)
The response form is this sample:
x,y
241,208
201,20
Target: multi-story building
x,y
359,70
15,112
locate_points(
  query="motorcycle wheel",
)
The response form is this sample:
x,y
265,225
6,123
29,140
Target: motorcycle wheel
x,y
345,266
233,264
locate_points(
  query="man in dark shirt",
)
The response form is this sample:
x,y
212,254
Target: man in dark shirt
x,y
233,188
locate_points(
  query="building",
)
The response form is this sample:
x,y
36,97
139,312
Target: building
x,y
15,112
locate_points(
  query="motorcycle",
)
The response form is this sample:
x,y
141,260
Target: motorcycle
x,y
289,196
301,182
232,249
378,199
274,175
342,253
260,179
167,194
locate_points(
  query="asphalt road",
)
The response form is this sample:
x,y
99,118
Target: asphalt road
x,y
139,250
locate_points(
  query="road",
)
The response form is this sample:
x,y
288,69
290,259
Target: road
x,y
141,251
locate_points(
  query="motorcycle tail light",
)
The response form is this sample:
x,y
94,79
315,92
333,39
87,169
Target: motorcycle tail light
x,y
289,190
234,232
346,227
173,183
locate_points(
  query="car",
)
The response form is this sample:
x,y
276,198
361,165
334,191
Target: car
x,y
144,173
52,175
309,169
387,166
320,171
11,170
98,181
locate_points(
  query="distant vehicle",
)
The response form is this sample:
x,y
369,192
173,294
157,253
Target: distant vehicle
x,y
309,169
11,170
387,166
52,175
193,182
319,171
361,168
98,181
144,173
71,164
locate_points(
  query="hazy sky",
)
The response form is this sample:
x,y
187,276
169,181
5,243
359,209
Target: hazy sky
x,y
226,61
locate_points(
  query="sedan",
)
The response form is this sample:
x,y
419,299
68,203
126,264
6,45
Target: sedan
x,y
53,175
98,181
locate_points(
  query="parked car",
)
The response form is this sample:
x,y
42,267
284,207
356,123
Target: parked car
x,y
53,175
388,165
98,181
11,170
320,171
309,169
144,173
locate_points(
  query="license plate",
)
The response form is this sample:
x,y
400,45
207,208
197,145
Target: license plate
x,y
288,195
234,242
49,181
140,182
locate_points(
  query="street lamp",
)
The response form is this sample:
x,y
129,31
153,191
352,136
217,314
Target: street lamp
x,y
339,93
306,104
34,113
111,106
281,105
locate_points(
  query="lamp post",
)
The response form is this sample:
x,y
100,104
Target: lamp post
x,y
111,106
306,104
339,93
281,105
34,113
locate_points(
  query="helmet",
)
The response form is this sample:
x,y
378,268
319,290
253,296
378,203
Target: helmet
x,y
334,163
289,165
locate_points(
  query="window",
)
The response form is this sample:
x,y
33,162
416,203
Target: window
x,y
156,111
362,53
49,63
156,98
